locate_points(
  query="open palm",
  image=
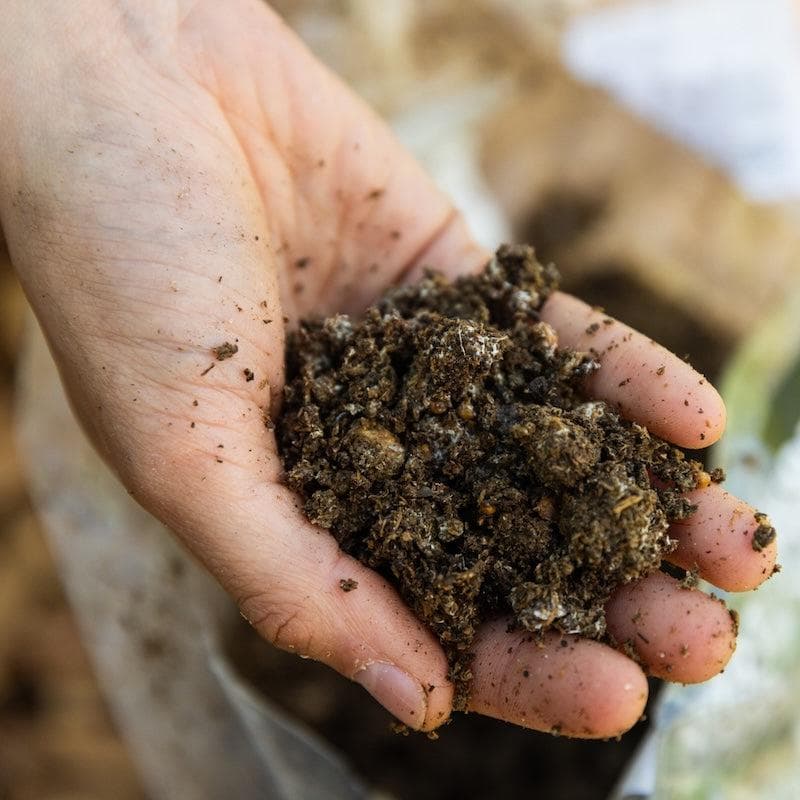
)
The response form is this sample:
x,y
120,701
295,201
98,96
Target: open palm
x,y
186,175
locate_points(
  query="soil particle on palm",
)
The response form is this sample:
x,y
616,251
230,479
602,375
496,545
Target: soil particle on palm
x,y
225,350
445,441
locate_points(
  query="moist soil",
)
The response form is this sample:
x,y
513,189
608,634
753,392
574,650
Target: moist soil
x,y
445,441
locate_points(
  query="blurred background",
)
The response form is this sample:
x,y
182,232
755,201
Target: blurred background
x,y
648,148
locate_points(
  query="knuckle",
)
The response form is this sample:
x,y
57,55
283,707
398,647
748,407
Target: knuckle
x,y
285,624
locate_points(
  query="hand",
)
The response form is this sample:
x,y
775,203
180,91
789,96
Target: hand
x,y
176,175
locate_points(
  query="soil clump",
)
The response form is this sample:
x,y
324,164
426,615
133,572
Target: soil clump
x,y
446,442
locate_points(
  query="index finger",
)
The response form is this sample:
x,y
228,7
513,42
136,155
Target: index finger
x,y
639,377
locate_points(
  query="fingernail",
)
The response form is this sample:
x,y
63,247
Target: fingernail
x,y
396,691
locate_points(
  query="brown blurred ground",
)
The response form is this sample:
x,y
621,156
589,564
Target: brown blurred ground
x,y
670,248
56,738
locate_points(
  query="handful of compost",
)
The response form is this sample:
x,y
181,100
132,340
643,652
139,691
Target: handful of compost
x,y
445,442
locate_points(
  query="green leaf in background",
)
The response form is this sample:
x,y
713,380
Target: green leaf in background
x,y
761,387
785,411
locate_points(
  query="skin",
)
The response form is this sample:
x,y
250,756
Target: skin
x,y
175,175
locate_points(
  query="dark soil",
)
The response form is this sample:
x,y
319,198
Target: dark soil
x,y
445,441
764,533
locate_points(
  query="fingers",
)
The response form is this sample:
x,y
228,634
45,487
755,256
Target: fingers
x,y
717,540
585,689
678,634
566,685
643,380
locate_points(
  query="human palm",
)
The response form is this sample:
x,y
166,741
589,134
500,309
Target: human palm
x,y
189,176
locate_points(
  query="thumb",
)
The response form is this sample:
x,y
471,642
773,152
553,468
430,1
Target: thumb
x,y
303,594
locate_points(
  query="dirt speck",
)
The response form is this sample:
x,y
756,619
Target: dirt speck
x,y
764,534
717,475
225,350
691,579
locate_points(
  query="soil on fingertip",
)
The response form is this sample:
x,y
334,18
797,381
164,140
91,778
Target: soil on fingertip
x,y
445,440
